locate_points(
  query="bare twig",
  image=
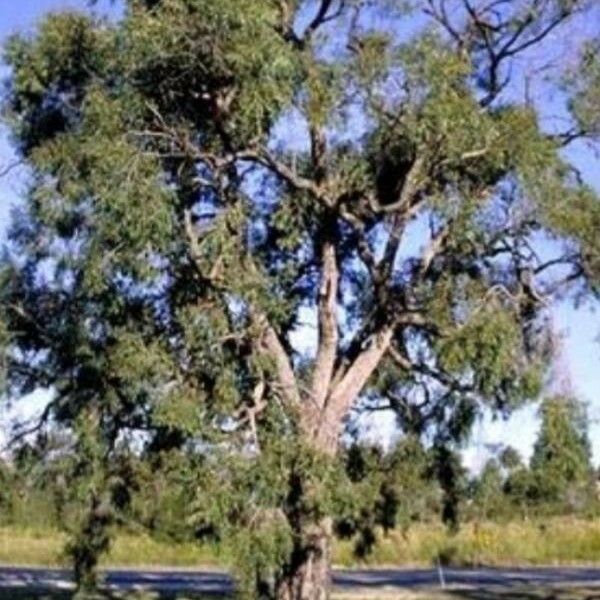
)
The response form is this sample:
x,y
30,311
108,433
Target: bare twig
x,y
10,167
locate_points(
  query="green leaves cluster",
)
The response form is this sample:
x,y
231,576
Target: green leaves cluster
x,y
561,457
259,506
179,53
50,75
487,347
585,81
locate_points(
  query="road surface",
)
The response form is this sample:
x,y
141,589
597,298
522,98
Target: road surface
x,y
359,580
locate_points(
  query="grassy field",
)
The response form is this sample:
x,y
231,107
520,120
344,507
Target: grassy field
x,y
39,547
565,541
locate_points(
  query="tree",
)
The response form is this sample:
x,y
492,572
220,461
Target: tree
x,y
518,481
510,459
203,177
487,492
393,487
7,481
561,461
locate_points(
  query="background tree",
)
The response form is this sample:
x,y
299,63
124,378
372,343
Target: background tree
x,y
561,461
487,491
392,489
7,494
510,459
518,482
203,177
502,490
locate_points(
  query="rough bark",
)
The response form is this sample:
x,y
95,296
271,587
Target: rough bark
x,y
307,577
328,330
345,392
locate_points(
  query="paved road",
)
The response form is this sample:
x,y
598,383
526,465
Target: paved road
x,y
219,583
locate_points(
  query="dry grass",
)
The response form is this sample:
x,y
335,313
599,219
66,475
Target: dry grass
x,y
142,550
566,541
558,541
38,547
20,546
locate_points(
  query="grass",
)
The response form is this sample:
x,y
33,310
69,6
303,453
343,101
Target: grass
x,y
20,546
558,541
44,547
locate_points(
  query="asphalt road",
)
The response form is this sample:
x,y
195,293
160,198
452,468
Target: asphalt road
x,y
219,583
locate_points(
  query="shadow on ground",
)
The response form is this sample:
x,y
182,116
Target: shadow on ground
x,y
524,593
516,593
12,594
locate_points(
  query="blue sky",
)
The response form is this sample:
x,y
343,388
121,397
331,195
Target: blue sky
x,y
580,356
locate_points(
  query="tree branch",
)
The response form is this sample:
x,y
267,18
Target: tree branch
x,y
404,362
322,17
269,345
328,330
9,167
349,384
37,425
349,387
434,247
410,188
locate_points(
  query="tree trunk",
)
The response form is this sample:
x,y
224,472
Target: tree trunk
x,y
307,577
90,542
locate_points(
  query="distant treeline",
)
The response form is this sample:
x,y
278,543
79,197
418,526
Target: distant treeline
x,y
408,484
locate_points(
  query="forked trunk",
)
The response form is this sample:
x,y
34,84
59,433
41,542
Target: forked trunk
x,y
307,577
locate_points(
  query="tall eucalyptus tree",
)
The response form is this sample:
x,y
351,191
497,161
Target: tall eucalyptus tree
x,y
205,176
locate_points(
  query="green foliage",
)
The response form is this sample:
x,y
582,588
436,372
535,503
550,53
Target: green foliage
x,y
510,459
558,480
172,242
8,488
488,493
165,491
585,82
561,461
485,345
179,53
519,488
51,74
261,507
390,490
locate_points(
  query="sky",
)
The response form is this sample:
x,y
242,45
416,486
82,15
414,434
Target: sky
x,y
579,329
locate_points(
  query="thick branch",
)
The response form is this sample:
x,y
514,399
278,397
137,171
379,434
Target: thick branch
x,y
410,188
434,248
351,383
269,345
349,387
184,148
289,175
37,425
328,330
407,205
